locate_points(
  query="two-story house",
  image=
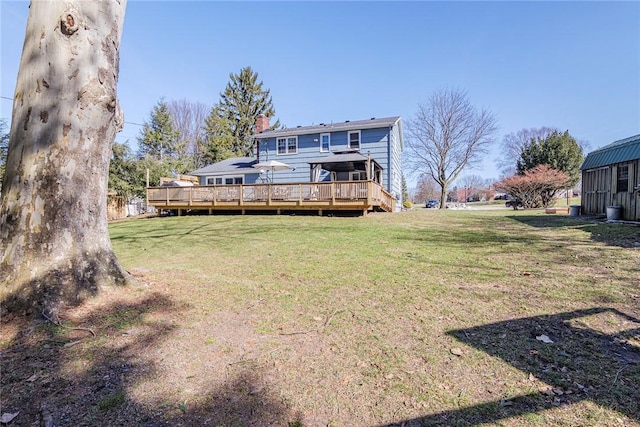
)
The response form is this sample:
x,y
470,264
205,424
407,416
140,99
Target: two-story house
x,y
361,150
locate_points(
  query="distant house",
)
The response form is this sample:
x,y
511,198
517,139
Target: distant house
x,y
362,150
611,177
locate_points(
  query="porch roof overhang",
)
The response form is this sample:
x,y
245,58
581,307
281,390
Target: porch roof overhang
x,y
343,162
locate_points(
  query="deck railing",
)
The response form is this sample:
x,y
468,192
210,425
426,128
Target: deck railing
x,y
338,193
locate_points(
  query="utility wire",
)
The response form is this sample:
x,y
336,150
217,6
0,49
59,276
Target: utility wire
x,y
129,123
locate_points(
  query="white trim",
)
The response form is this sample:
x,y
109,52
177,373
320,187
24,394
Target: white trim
x,y
223,179
286,139
351,132
328,135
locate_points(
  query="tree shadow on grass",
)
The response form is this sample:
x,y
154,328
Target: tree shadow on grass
x,y
67,376
612,234
594,355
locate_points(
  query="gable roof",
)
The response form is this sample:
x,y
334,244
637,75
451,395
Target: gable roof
x,y
331,127
620,151
232,165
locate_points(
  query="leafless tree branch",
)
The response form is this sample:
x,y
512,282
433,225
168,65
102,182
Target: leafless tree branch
x,y
446,135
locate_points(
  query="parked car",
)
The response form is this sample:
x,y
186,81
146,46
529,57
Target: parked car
x,y
513,203
432,204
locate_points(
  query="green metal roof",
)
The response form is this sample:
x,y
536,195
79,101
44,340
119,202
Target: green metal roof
x,y
617,152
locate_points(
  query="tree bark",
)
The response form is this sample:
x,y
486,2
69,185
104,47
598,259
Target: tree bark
x,y
54,241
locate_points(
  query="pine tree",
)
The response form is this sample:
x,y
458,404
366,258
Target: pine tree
x,y
123,172
558,150
231,122
158,137
406,200
160,148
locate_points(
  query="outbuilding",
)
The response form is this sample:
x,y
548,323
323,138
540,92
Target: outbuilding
x,y
611,180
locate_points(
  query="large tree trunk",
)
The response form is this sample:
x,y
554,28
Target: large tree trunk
x,y
55,246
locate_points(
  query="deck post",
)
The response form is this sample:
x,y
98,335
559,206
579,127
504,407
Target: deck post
x,y
333,193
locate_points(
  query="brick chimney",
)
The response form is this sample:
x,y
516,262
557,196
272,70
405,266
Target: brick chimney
x,y
262,123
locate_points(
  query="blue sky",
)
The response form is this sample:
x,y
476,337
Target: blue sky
x,y
572,65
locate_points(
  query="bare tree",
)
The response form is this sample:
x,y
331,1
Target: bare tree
x,y
54,241
513,145
472,185
446,135
426,188
189,121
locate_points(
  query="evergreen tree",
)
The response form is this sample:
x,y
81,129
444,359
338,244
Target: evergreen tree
x,y
406,200
161,150
219,140
158,137
231,122
123,172
558,150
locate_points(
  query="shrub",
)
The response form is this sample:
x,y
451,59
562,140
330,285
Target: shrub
x,y
536,187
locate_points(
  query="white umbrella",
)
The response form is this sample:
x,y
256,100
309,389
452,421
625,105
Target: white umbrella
x,y
272,165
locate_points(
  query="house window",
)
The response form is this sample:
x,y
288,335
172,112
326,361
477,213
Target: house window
x,y
224,180
288,145
325,142
623,179
354,139
358,176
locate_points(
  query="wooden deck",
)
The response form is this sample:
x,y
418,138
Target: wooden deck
x,y
356,196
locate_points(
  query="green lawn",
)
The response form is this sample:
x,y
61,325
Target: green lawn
x,y
426,317
354,319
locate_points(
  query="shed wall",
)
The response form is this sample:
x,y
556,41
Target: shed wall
x,y
599,190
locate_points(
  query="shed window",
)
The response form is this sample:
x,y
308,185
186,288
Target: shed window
x,y
623,179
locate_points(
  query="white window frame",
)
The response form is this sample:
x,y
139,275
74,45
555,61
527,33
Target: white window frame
x,y
287,140
358,176
222,180
352,132
328,135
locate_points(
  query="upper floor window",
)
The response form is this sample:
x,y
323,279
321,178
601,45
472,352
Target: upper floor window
x,y
623,179
354,139
325,142
288,145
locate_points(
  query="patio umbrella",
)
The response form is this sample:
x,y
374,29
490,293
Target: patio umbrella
x,y
272,165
